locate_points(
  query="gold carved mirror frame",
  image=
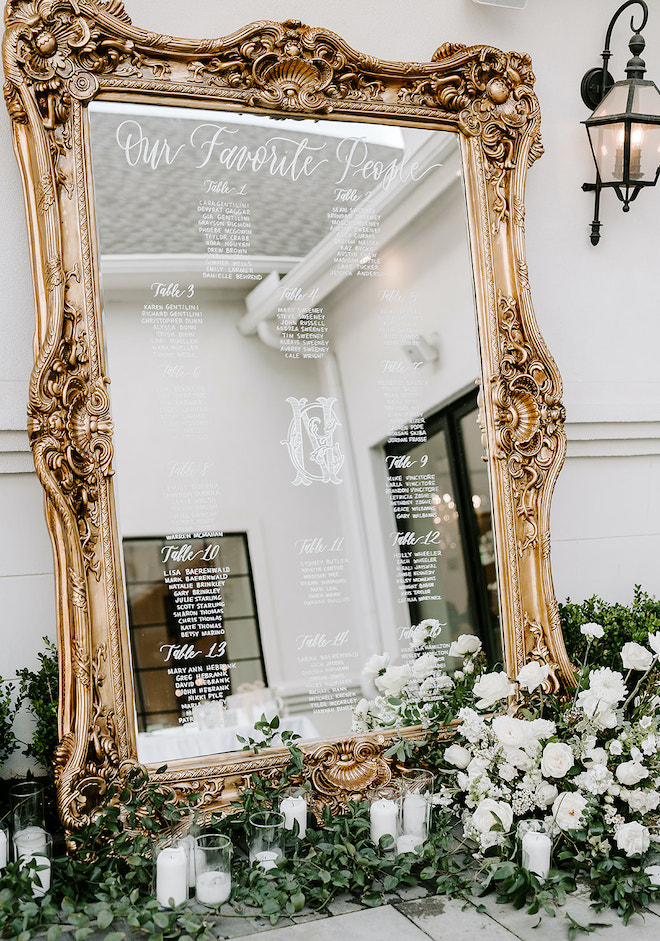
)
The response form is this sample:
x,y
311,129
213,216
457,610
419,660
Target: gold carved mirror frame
x,y
59,55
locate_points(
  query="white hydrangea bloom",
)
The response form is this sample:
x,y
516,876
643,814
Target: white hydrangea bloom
x,y
597,780
607,685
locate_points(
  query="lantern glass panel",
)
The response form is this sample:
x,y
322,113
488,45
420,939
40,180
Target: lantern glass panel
x,y
607,144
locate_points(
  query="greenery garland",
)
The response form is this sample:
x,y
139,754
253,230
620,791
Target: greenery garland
x,y
106,883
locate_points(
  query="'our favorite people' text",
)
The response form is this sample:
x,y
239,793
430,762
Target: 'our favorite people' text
x,y
215,145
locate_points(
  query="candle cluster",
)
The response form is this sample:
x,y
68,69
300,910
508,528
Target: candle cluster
x,y
402,810
201,863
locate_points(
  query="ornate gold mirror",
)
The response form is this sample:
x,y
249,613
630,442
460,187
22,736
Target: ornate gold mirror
x,y
254,405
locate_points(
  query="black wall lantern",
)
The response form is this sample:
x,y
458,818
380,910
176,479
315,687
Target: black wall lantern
x,y
624,129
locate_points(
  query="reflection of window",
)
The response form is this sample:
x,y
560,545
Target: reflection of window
x,y
440,497
193,623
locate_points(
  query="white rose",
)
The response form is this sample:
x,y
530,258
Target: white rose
x,y
567,810
514,733
518,758
542,728
654,643
375,665
557,759
422,667
597,709
592,630
642,801
532,675
490,813
545,794
458,756
597,755
463,645
392,681
633,838
630,773
490,688
650,745
507,772
476,767
636,657
431,627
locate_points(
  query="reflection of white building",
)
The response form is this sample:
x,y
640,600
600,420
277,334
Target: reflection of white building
x,y
605,346
299,347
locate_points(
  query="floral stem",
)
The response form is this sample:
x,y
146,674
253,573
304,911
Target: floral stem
x,y
582,669
639,683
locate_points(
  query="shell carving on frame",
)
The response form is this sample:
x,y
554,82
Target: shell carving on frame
x,y
348,767
529,418
293,84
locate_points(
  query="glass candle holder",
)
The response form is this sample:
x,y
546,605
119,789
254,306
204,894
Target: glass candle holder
x,y
212,855
170,875
416,804
384,812
188,830
294,807
26,801
33,848
266,838
4,846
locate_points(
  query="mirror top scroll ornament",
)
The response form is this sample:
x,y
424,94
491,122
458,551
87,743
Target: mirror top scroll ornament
x,y
61,54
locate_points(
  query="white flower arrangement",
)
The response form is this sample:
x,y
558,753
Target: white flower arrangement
x,y
587,767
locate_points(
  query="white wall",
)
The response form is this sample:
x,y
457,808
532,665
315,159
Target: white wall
x,y
596,307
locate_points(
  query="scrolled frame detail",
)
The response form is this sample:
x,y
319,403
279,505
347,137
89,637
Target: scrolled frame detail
x,y
59,55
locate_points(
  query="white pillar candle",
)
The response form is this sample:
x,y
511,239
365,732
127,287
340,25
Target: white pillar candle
x,y
383,816
3,848
409,843
295,808
415,809
213,887
171,876
267,859
536,849
30,840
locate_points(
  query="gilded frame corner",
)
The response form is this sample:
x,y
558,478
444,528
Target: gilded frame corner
x,y
58,56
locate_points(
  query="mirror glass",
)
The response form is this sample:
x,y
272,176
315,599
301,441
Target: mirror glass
x,y
290,337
